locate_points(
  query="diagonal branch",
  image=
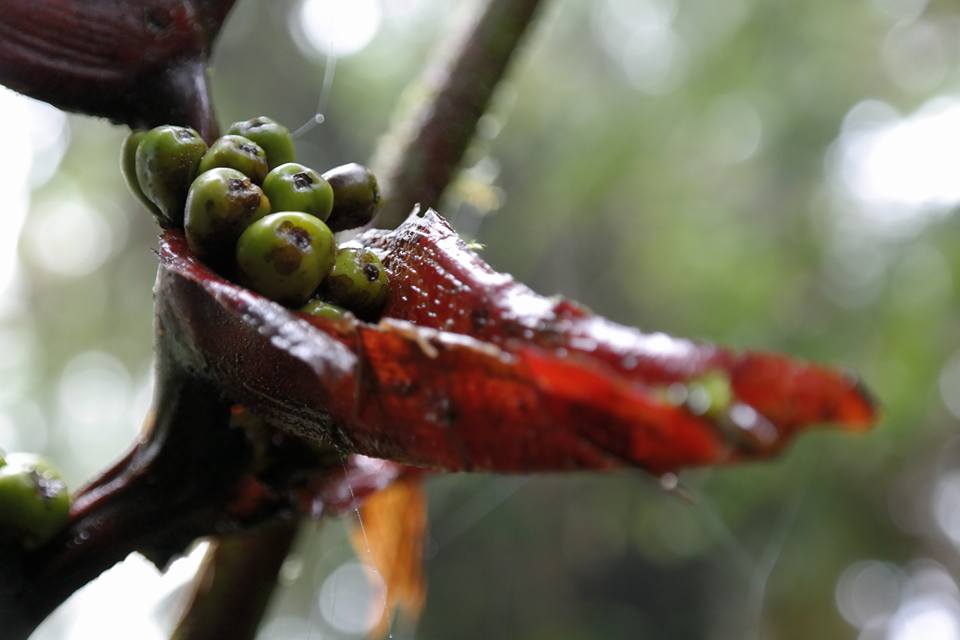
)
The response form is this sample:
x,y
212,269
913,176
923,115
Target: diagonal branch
x,y
176,484
419,156
140,64
235,582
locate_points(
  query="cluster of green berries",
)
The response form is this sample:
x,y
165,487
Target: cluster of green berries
x,y
34,501
249,210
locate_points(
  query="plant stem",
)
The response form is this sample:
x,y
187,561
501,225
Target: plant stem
x,y
174,486
235,582
141,64
419,157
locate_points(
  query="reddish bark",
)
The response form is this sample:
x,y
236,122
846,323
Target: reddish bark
x,y
141,66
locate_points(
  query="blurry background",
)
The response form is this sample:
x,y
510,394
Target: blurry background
x,y
776,175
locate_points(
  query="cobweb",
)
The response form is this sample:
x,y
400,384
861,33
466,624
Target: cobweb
x,y
754,568
326,88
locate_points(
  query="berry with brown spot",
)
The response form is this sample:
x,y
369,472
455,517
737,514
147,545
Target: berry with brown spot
x,y
221,204
166,160
285,256
358,282
272,136
294,187
236,152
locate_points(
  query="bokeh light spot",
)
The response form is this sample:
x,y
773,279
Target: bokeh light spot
x,y
946,506
868,592
904,11
641,38
352,598
94,396
925,619
950,384
734,130
916,56
909,161
69,239
336,28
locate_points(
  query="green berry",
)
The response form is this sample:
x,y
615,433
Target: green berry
x,y
221,203
167,161
34,501
710,394
273,137
294,187
236,152
128,166
358,282
285,256
320,309
356,196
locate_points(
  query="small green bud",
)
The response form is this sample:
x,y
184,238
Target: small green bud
x,y
34,501
167,159
358,282
221,204
273,137
236,152
294,187
321,309
710,394
285,256
356,196
128,166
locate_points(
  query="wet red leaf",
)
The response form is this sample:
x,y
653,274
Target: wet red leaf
x,y
472,370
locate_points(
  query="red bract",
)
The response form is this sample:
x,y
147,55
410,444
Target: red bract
x,y
470,370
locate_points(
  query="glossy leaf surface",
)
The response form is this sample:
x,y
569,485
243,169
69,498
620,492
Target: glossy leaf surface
x,y
470,370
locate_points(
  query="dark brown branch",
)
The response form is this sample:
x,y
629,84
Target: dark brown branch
x,y
186,89
243,569
174,486
141,64
420,156
235,582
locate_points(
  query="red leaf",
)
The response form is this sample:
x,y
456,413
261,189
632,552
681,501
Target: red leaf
x,y
471,370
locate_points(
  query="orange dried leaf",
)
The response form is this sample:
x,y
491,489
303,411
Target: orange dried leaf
x,y
390,541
